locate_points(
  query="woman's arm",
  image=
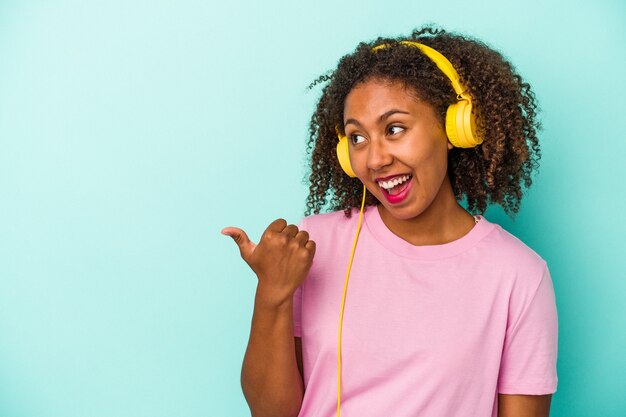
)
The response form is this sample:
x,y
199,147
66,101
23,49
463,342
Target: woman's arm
x,y
270,377
524,405
298,342
271,382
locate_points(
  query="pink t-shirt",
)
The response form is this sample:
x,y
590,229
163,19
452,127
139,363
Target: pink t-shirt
x,y
428,331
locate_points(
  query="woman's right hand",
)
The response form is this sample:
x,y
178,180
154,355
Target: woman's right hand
x,y
281,260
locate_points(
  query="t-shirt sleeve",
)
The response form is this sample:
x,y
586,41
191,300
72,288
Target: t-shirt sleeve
x,y
297,298
529,356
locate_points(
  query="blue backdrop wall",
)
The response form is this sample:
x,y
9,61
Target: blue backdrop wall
x,y
131,132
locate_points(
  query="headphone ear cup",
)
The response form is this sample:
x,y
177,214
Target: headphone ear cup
x,y
344,156
461,125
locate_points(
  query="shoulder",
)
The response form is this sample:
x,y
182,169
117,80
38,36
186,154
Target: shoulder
x,y
505,243
331,232
505,252
334,221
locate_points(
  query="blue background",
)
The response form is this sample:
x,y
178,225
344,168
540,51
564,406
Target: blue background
x,y
131,132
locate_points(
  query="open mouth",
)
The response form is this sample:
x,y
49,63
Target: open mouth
x,y
396,185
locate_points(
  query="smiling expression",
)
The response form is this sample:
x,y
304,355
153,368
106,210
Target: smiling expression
x,y
398,147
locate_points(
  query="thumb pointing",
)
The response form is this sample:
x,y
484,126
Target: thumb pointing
x,y
246,246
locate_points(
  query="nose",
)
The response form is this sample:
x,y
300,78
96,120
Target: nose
x,y
378,155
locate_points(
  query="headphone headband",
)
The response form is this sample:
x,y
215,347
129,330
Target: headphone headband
x,y
442,63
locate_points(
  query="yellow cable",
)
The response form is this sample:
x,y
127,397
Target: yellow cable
x,y
343,304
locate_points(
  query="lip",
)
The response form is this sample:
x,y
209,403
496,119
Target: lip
x,y
389,177
400,197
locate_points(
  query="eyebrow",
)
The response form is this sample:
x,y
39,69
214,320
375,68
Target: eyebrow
x,y
380,119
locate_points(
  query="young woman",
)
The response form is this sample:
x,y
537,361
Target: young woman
x,y
446,314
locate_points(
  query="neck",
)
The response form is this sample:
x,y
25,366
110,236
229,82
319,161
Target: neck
x,y
443,221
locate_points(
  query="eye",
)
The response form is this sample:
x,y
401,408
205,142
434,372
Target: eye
x,y
394,129
356,139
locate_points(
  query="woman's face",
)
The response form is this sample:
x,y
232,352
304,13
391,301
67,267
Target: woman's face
x,y
398,148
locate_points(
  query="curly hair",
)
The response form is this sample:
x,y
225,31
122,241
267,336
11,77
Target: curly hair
x,y
493,172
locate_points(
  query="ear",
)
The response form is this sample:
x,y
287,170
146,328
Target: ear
x,y
450,145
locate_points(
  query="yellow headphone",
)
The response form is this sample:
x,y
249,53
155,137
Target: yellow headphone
x,y
461,126
462,133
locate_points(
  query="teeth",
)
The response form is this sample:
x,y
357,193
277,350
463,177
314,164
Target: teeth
x,y
387,185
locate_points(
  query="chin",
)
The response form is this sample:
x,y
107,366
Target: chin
x,y
402,213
